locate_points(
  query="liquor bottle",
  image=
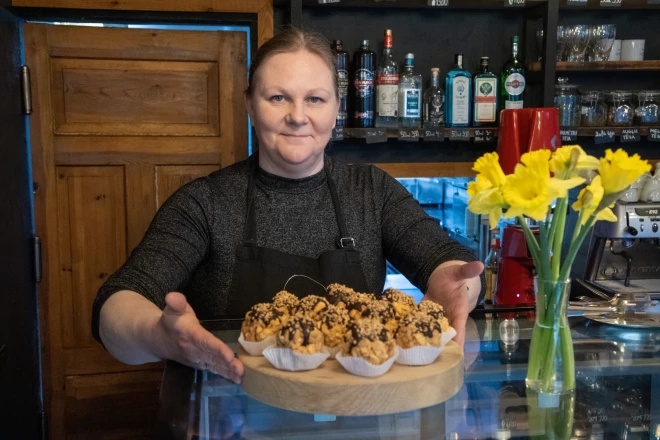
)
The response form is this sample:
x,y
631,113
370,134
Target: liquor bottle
x,y
457,87
434,102
387,86
485,96
513,78
341,58
363,81
491,263
410,95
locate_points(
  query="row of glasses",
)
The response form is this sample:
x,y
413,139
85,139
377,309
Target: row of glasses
x,y
579,43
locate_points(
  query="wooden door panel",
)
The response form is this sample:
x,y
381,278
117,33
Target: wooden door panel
x,y
92,228
124,98
171,178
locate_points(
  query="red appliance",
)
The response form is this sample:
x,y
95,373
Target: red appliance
x,y
515,277
526,129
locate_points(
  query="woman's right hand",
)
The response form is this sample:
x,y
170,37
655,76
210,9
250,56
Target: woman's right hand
x,y
187,342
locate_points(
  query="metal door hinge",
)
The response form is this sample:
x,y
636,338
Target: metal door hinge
x,y
27,90
37,258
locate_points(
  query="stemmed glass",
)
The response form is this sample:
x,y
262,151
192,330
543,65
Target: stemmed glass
x,y
577,37
561,42
603,39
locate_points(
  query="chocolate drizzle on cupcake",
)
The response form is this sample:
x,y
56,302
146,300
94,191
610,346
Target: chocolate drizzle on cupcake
x,y
432,308
338,294
313,306
284,300
422,323
264,313
301,334
369,330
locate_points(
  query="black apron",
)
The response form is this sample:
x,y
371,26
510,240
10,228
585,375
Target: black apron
x,y
260,272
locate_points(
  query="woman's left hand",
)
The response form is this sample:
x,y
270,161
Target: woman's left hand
x,y
456,285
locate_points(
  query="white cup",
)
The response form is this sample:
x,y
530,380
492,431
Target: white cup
x,y
632,50
615,54
631,195
651,190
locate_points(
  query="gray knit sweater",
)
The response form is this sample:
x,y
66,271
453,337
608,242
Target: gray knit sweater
x,y
191,243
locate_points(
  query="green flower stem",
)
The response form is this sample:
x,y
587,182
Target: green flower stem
x,y
557,236
545,256
532,244
534,364
568,357
575,246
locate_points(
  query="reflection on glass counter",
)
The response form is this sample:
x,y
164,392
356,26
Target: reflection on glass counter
x,y
617,395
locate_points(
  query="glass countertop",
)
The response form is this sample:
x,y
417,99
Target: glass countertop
x,y
617,394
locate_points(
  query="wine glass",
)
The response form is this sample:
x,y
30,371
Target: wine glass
x,y
561,42
603,39
577,41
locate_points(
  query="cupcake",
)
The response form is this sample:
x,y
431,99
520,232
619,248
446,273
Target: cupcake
x,y
302,335
285,302
334,325
262,321
338,294
369,339
384,312
435,310
358,304
418,329
312,306
403,304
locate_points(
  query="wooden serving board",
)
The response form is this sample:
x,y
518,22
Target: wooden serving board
x,y
330,389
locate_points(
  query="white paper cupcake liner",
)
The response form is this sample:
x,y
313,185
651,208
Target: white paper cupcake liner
x,y
447,336
287,359
256,348
360,367
421,355
334,350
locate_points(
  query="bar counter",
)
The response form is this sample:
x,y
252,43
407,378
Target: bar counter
x,y
617,394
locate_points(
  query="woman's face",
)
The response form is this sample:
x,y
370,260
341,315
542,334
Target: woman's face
x,y
293,110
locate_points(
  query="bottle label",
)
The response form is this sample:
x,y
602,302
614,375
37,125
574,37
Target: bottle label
x,y
513,104
434,109
387,89
485,100
342,82
411,105
364,83
387,42
514,84
460,100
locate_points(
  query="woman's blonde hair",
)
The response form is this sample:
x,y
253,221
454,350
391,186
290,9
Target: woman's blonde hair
x,y
292,39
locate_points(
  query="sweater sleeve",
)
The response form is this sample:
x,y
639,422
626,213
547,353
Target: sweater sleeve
x,y
413,241
176,242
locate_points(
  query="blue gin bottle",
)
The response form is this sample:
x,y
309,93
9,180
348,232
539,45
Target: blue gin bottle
x,y
458,91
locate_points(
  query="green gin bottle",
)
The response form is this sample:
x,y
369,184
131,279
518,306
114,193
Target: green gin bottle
x,y
513,78
485,96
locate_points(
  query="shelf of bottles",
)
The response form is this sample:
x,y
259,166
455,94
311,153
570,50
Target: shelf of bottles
x,y
379,101
565,66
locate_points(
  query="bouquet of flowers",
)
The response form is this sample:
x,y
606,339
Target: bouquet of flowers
x,y
542,178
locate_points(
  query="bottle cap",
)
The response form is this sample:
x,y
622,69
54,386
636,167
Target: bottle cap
x,y
365,44
336,42
515,39
410,55
388,32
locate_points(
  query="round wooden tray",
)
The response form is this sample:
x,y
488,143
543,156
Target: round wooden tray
x,y
330,389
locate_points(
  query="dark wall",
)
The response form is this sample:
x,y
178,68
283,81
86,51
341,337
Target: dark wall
x,y
20,383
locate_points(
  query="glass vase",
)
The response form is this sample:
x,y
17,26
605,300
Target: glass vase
x,y
551,367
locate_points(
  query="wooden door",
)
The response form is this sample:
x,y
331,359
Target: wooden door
x,y
122,118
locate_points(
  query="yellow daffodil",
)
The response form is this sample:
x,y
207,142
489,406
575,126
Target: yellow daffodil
x,y
571,161
480,183
489,167
527,193
488,202
588,201
618,170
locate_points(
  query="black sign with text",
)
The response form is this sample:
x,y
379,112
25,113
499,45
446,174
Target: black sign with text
x,y
654,2
654,135
514,3
438,3
323,2
459,134
485,135
337,134
409,134
375,135
604,136
576,2
434,134
568,134
610,3
629,135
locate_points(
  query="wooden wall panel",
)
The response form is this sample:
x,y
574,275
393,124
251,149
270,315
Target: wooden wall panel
x,y
92,228
97,97
171,178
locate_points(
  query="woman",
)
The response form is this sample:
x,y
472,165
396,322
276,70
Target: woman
x,y
235,237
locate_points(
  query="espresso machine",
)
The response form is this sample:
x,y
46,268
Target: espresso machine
x,y
623,267
515,275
